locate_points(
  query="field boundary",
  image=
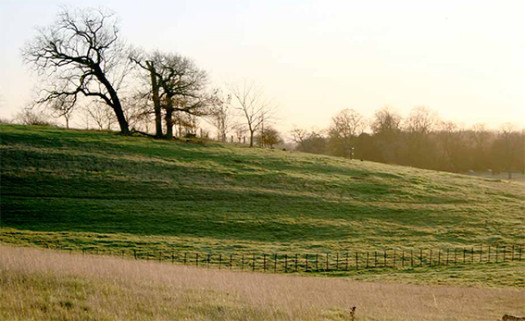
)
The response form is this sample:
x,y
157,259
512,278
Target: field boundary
x,y
340,261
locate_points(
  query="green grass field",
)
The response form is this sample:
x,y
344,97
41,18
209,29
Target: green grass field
x,y
89,189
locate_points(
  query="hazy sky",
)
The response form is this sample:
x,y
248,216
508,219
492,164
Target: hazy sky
x,y
464,59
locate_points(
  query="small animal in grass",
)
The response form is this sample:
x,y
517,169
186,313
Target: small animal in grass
x,y
508,317
352,314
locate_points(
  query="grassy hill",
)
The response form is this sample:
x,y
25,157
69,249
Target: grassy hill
x,y
98,189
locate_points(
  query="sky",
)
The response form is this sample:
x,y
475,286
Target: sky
x,y
463,59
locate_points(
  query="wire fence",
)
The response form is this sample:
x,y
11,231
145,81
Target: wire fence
x,y
328,262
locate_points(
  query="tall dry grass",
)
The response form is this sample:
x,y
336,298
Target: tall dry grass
x,y
47,285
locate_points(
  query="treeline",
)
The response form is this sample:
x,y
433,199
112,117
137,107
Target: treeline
x,y
420,140
87,69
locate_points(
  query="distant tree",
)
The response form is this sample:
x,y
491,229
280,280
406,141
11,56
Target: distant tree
x,y
80,54
254,108
220,114
418,147
270,137
386,122
345,127
299,136
29,117
100,114
62,107
508,149
452,146
421,120
384,146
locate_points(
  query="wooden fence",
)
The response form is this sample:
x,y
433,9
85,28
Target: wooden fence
x,y
331,262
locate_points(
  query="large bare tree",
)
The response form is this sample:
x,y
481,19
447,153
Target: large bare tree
x,y
80,55
177,85
252,105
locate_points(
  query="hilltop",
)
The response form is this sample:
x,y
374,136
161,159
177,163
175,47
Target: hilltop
x,y
99,189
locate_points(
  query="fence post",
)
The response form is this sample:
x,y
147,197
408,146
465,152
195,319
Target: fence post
x,y
208,259
327,266
464,254
220,260
367,258
472,255
375,259
197,259
411,258
439,257
231,261
275,263
317,262
480,253
430,259
384,258
420,257
356,260
185,255
394,265
286,263
135,253
296,263
488,259
337,261
306,262
160,256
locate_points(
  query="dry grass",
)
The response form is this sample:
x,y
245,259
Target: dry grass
x,y
47,285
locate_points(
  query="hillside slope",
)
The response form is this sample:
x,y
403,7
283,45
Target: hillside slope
x,y
87,188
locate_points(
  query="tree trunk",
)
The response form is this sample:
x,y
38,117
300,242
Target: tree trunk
x,y
251,137
117,107
156,100
169,120
123,123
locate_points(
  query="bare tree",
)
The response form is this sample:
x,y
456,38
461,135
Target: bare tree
x,y
177,86
80,54
346,126
29,117
300,136
62,107
148,63
254,108
418,145
220,114
421,120
386,122
508,148
100,114
270,137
